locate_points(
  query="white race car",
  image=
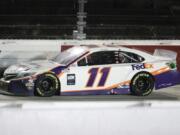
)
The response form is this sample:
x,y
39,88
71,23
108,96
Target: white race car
x,y
93,70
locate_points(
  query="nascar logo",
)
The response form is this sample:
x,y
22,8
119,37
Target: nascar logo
x,y
141,66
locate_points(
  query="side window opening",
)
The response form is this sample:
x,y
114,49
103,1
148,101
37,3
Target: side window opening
x,y
110,57
128,57
102,58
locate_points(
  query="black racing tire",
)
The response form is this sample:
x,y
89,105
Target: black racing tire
x,y
47,85
142,84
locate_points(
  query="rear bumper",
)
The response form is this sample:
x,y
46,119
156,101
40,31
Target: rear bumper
x,y
167,79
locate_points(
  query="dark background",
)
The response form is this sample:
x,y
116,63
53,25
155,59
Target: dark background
x,y
107,19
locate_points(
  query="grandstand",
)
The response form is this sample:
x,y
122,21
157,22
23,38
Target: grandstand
x,y
106,19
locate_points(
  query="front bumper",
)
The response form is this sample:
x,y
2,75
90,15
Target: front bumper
x,y
16,87
4,87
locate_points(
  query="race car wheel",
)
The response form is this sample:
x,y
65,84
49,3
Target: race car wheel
x,y
142,84
47,85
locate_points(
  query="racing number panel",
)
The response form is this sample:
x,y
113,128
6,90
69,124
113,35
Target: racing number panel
x,y
93,75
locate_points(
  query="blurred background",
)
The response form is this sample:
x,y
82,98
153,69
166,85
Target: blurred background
x,y
105,19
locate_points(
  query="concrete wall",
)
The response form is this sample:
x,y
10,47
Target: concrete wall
x,y
57,45
54,45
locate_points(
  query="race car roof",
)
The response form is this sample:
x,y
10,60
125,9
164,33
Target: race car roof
x,y
105,47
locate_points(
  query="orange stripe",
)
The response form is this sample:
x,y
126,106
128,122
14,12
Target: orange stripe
x,y
108,88
160,71
59,75
119,84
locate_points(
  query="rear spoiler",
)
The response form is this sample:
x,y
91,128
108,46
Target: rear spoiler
x,y
165,53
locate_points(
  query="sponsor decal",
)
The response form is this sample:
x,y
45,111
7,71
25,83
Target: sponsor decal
x,y
172,65
71,79
141,66
30,84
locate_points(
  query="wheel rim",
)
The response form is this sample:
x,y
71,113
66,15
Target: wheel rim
x,y
143,84
47,85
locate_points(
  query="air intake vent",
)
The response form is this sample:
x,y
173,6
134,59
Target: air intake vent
x,y
10,76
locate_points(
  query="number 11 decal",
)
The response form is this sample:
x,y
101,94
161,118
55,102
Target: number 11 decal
x,y
93,74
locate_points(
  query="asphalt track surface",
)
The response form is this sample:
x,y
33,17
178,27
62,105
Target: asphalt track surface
x,y
172,93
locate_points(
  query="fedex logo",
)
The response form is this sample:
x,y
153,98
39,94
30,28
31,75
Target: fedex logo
x,y
141,66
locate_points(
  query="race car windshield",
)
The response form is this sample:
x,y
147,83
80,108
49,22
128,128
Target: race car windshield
x,y
70,55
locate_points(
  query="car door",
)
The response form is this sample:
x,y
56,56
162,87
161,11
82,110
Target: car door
x,y
99,71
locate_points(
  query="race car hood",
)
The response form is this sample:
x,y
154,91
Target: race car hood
x,y
31,67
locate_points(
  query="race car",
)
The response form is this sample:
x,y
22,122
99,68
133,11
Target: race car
x,y
93,70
